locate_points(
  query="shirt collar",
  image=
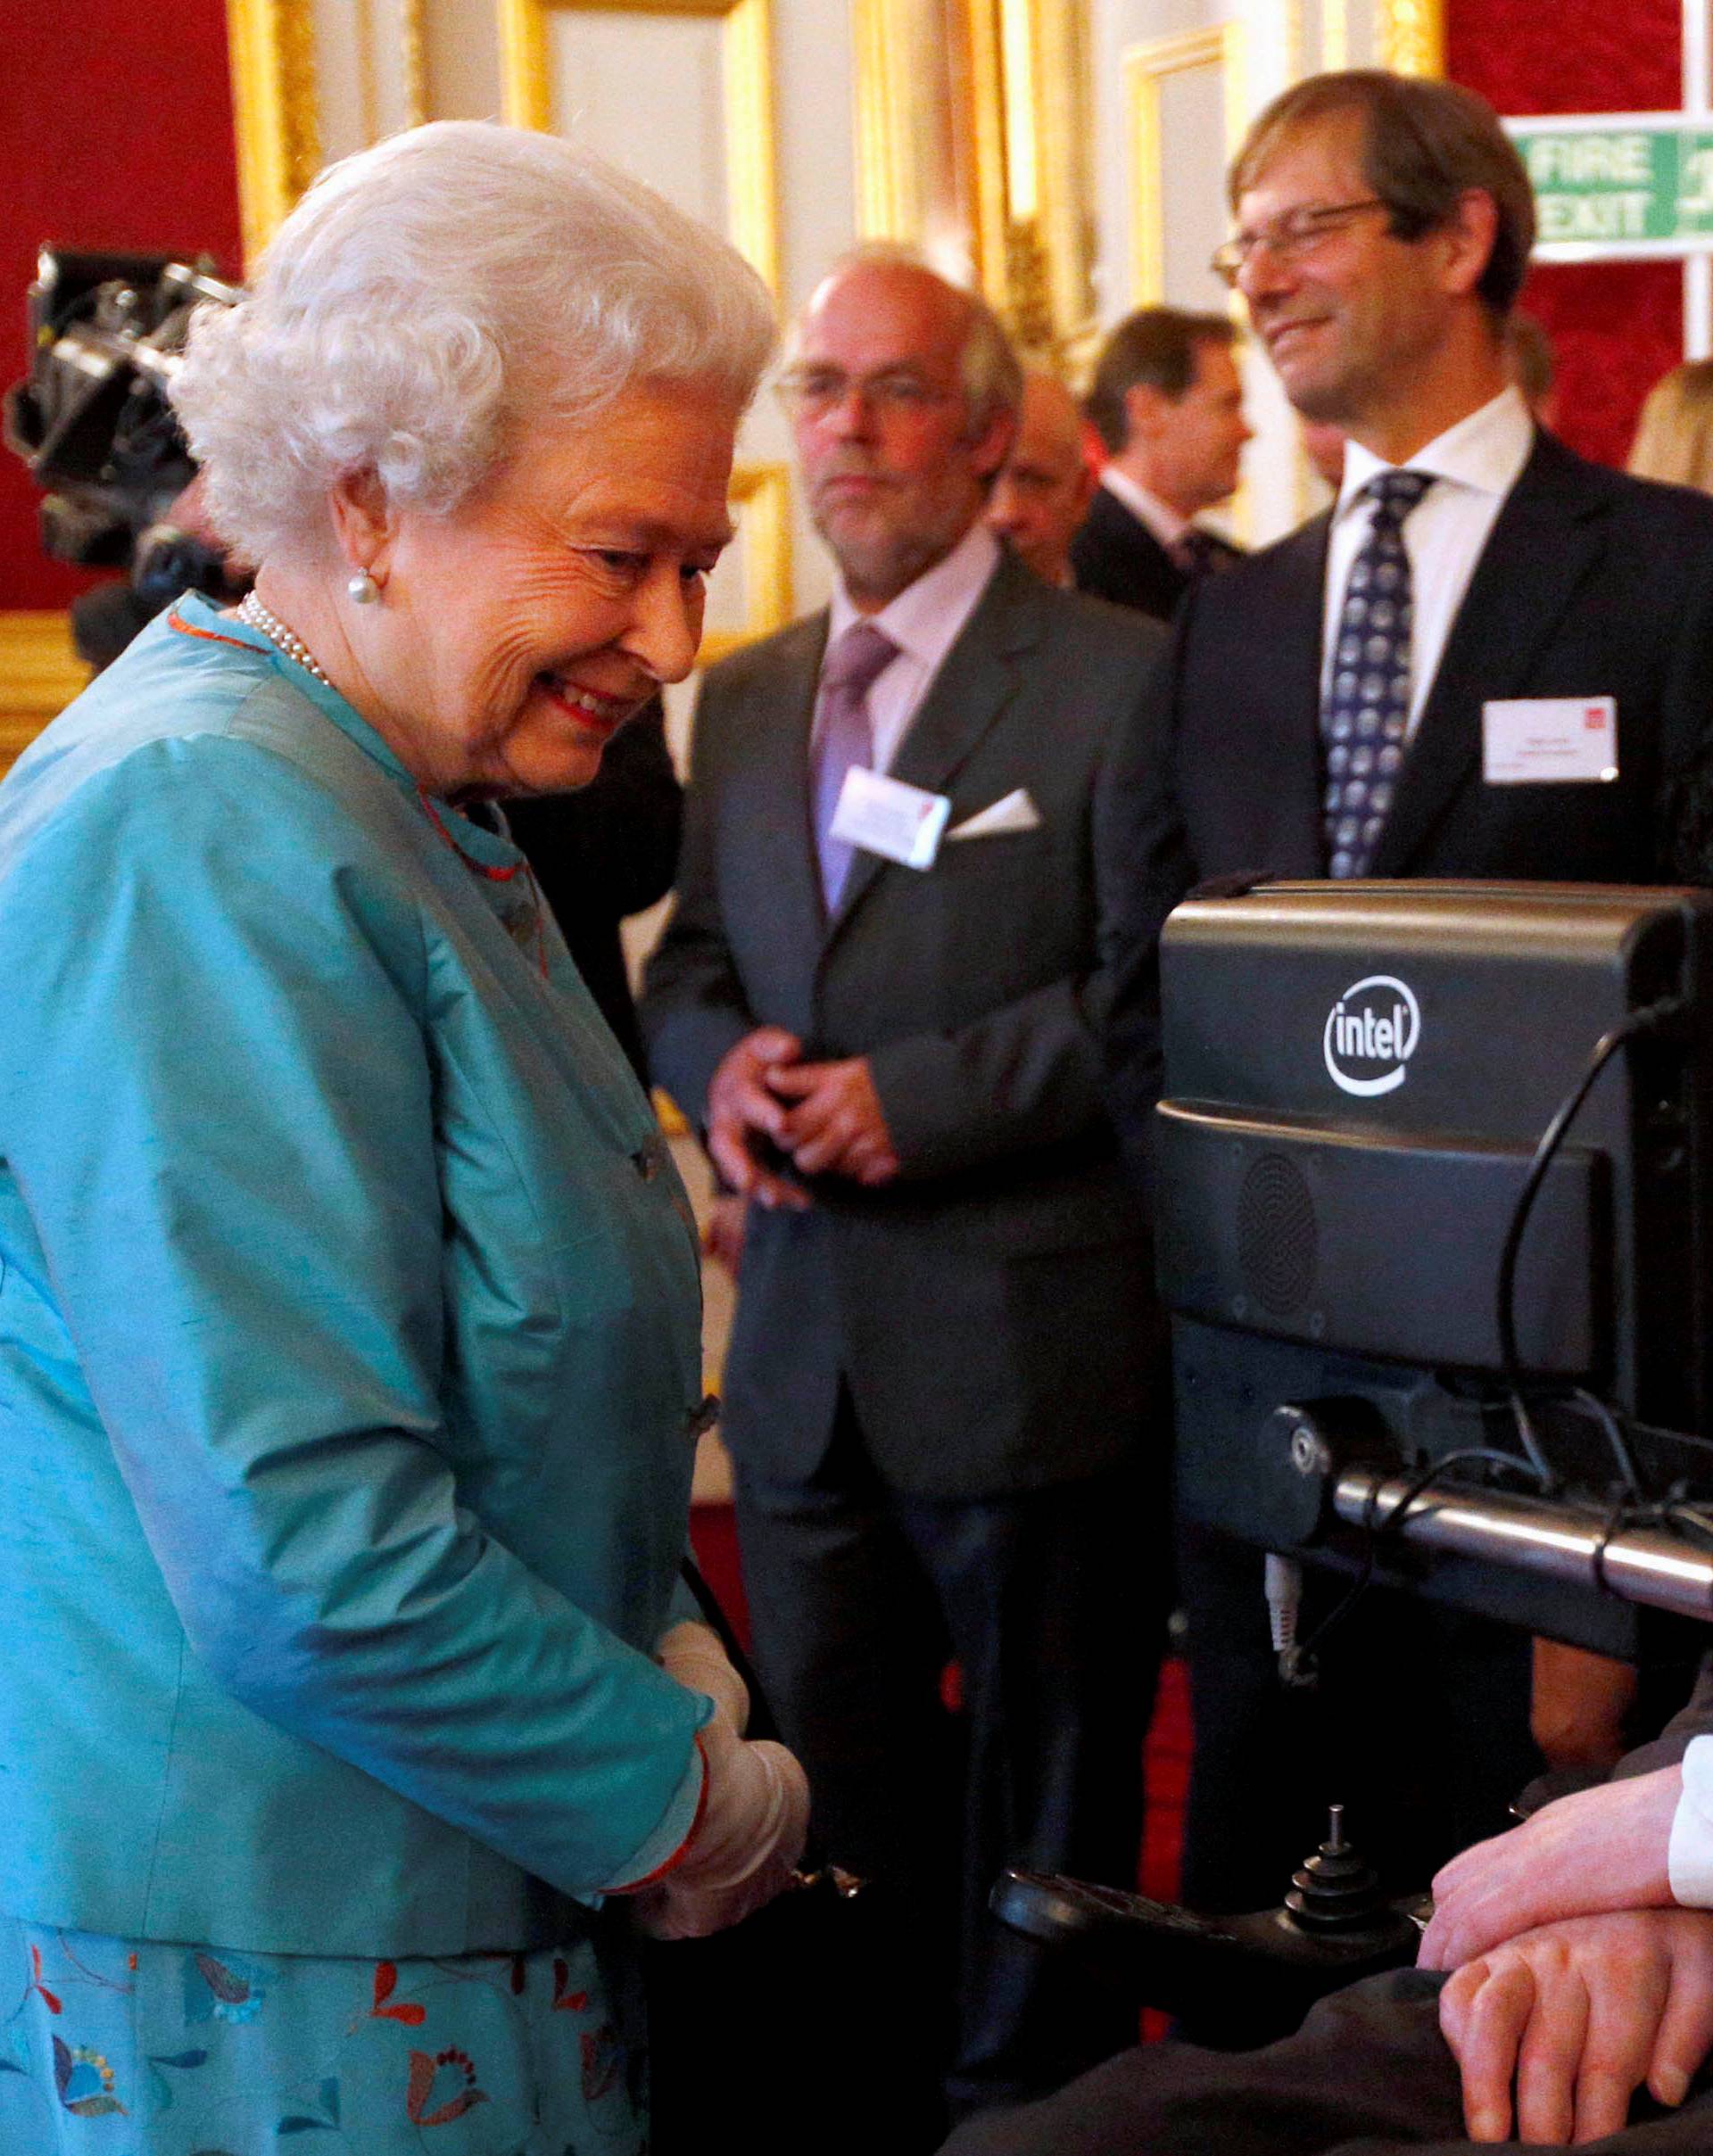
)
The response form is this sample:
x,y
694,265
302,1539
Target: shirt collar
x,y
1166,525
927,616
1485,451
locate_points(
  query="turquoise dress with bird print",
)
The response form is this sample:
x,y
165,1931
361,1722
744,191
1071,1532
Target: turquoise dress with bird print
x,y
350,1365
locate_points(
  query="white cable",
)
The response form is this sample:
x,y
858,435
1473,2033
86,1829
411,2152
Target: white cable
x,y
1284,1588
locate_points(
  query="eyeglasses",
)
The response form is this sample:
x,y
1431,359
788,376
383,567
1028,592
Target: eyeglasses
x,y
811,393
1291,238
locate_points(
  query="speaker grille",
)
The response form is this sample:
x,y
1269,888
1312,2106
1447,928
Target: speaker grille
x,y
1277,1241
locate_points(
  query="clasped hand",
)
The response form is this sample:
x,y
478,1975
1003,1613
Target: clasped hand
x,y
1576,2017
1577,1980
825,1116
755,1809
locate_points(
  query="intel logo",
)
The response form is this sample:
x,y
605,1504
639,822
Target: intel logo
x,y
1371,1034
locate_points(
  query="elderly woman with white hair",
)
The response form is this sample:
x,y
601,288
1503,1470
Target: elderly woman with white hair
x,y
349,1346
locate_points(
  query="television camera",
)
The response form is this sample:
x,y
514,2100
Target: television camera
x,y
93,423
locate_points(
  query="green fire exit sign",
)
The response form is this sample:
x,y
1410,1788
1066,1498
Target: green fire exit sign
x,y
1614,186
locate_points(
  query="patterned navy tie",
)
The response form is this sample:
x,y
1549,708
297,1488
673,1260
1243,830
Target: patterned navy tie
x,y
1197,553
845,737
1365,716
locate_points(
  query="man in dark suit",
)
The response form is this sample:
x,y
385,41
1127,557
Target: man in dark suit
x,y
1410,685
1045,486
939,1411
604,853
1167,402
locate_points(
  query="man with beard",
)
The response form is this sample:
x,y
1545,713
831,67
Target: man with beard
x,y
880,998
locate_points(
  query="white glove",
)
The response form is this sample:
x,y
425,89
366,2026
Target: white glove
x,y
755,1811
691,1654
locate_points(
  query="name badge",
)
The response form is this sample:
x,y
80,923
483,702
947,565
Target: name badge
x,y
1549,739
885,816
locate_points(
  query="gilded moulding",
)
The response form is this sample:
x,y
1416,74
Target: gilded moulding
x,y
761,499
1410,35
413,61
889,204
271,47
39,676
972,134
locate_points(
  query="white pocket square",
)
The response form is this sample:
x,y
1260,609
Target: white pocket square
x,y
1015,813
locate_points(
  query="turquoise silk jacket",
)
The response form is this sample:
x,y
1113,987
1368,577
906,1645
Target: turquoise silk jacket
x,y
349,1353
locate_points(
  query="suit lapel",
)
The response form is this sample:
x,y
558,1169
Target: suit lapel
x,y
1548,536
1284,631
775,811
973,686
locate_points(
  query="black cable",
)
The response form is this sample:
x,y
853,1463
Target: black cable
x,y
1644,1020
1532,1461
1374,1530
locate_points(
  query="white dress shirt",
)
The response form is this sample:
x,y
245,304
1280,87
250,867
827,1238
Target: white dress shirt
x,y
925,621
1475,465
1690,1860
1164,521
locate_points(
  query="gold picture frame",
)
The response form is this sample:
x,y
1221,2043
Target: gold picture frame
x,y
761,498
1145,67
526,101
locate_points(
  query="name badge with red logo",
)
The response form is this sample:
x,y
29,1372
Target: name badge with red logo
x,y
1562,740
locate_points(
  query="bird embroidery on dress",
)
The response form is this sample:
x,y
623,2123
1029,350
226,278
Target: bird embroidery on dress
x,y
442,2087
84,2080
221,1990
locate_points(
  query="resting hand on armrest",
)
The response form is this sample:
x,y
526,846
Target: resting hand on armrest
x,y
1574,2017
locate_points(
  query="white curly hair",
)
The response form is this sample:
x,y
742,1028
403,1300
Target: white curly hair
x,y
426,299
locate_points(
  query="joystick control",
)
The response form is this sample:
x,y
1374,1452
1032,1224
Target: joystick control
x,y
1254,1976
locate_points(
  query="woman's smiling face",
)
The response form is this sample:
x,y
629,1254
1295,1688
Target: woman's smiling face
x,y
517,634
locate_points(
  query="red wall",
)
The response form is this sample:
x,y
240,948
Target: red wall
x,y
1618,327
115,131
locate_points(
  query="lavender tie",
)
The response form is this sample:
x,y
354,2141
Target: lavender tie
x,y
845,737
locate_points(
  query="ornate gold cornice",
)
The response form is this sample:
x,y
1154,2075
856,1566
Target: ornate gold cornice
x,y
1410,35
271,45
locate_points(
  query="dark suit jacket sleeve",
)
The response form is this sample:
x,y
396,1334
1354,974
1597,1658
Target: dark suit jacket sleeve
x,y
1685,839
1028,1073
610,849
693,1009
1144,867
1693,1720
1100,572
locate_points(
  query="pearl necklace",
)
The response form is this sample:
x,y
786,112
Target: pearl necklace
x,y
278,635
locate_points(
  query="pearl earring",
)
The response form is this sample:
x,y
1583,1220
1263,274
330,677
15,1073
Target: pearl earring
x,y
363,588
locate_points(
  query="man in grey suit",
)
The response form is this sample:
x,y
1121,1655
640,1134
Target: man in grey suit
x,y
942,1407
